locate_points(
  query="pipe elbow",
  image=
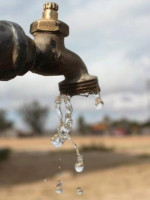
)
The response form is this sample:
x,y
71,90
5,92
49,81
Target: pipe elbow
x,y
53,59
77,79
73,68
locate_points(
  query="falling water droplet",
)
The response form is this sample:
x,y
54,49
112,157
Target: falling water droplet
x,y
56,141
45,180
79,166
59,187
65,125
79,191
59,167
64,128
98,102
58,107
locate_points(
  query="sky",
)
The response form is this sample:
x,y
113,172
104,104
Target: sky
x,y
113,39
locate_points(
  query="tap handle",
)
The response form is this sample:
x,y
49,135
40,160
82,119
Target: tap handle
x,y
50,11
51,6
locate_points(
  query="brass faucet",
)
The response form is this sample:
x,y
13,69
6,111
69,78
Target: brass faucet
x,y
45,55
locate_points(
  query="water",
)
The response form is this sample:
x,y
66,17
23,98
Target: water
x,y
98,101
79,165
63,132
59,187
59,167
45,180
79,191
65,125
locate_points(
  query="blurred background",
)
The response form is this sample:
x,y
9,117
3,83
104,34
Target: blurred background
x,y
113,39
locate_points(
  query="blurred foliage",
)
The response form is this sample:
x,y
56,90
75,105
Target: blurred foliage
x,y
4,122
144,156
4,154
95,147
146,124
35,116
82,126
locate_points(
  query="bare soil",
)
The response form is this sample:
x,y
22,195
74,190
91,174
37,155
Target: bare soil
x,y
31,172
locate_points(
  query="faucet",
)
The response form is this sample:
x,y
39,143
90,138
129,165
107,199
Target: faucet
x,y
45,55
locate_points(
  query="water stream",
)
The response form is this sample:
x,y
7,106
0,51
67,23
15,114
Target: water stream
x,y
63,132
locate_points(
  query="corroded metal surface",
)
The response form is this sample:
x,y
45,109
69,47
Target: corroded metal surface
x,y
17,51
85,87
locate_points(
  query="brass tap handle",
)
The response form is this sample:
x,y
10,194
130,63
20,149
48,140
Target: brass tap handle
x,y
51,6
49,21
50,11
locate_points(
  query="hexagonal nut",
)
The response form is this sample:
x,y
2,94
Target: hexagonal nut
x,y
49,25
51,5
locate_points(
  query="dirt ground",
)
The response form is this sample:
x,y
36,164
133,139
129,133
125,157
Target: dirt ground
x,y
31,172
125,144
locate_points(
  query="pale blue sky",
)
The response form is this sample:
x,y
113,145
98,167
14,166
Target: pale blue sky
x,y
113,39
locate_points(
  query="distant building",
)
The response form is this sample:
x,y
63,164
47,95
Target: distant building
x,y
100,129
145,131
119,132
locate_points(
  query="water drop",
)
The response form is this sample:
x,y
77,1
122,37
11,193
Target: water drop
x,y
59,187
98,102
79,165
59,167
65,125
79,191
58,107
56,141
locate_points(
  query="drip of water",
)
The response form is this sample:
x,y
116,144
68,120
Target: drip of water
x,y
98,101
79,191
74,145
63,132
45,180
65,125
59,167
79,165
59,187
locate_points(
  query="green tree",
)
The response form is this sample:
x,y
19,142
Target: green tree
x,y
4,122
35,116
81,125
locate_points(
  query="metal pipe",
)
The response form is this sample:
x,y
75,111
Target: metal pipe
x,y
17,51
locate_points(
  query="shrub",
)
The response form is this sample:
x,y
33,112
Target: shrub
x,y
4,154
94,147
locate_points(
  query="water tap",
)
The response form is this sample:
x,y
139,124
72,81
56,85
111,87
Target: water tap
x,y
45,55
